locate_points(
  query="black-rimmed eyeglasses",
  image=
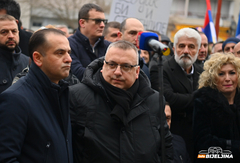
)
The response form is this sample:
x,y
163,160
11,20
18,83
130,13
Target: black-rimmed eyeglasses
x,y
97,21
124,67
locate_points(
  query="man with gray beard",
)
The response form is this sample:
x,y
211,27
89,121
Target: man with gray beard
x,y
180,79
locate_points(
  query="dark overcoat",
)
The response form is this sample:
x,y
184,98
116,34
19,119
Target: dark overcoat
x,y
216,123
34,121
178,91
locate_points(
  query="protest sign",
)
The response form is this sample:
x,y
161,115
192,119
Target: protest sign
x,y
154,14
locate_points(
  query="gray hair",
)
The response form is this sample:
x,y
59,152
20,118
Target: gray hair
x,y
125,45
189,33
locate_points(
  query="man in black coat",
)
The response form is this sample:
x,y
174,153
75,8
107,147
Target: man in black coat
x,y
11,7
34,114
115,114
180,80
12,61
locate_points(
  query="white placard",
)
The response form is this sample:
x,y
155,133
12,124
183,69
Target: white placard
x,y
154,14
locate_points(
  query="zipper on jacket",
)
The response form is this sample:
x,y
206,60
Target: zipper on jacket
x,y
180,156
67,142
47,150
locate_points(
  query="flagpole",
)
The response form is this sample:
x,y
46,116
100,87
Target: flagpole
x,y
218,17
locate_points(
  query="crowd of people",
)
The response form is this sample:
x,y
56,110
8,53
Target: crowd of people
x,y
93,96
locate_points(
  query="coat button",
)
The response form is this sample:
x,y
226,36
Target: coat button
x,y
4,81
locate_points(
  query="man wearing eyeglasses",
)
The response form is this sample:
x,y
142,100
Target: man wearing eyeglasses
x,y
88,43
115,113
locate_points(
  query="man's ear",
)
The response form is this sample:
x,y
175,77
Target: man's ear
x,y
17,21
37,58
119,34
173,48
81,23
137,72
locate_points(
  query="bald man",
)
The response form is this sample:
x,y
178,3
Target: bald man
x,y
128,32
236,50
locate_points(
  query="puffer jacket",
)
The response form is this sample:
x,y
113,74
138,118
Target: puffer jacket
x,y
98,138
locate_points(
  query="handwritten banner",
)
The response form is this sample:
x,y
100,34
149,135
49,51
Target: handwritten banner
x,y
154,14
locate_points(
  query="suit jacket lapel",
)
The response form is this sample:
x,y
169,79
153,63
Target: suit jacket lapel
x,y
196,75
180,75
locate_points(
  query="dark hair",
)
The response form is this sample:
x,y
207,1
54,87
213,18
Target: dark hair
x,y
201,33
84,11
150,30
38,40
195,29
12,8
112,24
7,17
219,42
122,26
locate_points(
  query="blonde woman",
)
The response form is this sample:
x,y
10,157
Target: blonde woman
x,y
216,118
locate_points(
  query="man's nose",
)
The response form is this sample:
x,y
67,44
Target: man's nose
x,y
202,48
10,34
68,58
186,50
102,24
118,70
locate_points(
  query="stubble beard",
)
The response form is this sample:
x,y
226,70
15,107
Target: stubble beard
x,y
7,48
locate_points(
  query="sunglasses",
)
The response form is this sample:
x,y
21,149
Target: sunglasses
x,y
97,21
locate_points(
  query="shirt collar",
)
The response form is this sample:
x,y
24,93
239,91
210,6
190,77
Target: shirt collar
x,y
192,71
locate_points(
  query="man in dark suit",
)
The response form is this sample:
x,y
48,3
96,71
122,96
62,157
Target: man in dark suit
x,y
180,79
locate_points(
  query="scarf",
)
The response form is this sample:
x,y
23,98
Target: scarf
x,y
122,99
